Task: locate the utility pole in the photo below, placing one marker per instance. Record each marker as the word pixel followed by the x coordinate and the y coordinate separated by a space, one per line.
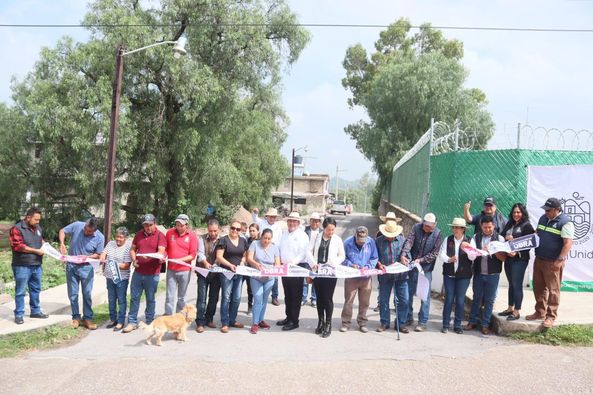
pixel 338 170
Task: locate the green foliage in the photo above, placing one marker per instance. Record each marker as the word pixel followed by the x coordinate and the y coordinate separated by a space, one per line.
pixel 206 128
pixel 16 343
pixel 563 335
pixel 406 82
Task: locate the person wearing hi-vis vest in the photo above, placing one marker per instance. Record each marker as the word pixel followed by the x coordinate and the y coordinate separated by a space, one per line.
pixel 555 231
pixel 487 271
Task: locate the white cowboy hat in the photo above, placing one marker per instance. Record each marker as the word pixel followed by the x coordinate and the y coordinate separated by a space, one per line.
pixel 390 229
pixel 272 212
pixel 390 216
pixel 295 216
pixel 315 215
pixel 459 222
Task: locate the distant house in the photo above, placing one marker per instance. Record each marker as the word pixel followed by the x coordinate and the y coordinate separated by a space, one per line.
pixel 310 193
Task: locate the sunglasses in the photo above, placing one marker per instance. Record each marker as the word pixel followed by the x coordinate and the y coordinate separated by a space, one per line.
pixel 236 229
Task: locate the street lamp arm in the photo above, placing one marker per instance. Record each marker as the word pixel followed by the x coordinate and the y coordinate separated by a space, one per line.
pixel 149 46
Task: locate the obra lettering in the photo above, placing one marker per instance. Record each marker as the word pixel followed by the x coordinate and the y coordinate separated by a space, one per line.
pixel 524 244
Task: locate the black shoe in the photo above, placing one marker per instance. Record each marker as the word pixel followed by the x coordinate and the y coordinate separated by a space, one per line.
pixel 290 326
pixel 505 313
pixel 111 324
pixel 282 322
pixel 459 331
pixel 320 327
pixel 39 315
pixel 513 317
pixel 327 329
pixel 19 320
pixel 444 330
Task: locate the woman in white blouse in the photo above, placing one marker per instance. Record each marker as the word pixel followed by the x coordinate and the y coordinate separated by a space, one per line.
pixel 457 274
pixel 327 254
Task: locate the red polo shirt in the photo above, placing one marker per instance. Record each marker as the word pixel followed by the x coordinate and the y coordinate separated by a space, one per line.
pixel 179 247
pixel 146 244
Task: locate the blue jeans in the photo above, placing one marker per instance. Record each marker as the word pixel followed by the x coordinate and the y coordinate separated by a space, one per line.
pixel 484 287
pixel 424 306
pixel 147 283
pixel 85 275
pixel 261 292
pixel 275 288
pixel 387 282
pixel 455 289
pixel 27 276
pixel 306 291
pixel 231 298
pixel 515 272
pixel 116 295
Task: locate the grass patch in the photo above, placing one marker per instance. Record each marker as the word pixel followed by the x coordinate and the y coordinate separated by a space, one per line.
pixel 563 335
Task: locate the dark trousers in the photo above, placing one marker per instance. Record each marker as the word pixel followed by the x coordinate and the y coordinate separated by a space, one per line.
pixel 515 271
pixel 293 292
pixel 324 289
pixel 208 288
pixel 249 292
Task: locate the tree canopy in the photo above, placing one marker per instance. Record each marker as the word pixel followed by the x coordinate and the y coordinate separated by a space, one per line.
pixel 409 79
pixel 206 128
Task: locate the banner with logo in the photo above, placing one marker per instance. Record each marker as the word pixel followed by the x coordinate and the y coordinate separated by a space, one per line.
pixel 573 186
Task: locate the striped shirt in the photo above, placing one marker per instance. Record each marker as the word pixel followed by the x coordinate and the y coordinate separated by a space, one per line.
pixel 119 255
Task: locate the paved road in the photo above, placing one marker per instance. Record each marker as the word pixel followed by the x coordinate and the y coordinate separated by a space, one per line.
pixel 301 362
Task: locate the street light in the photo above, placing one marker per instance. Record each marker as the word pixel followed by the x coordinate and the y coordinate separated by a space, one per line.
pixel 292 175
pixel 178 51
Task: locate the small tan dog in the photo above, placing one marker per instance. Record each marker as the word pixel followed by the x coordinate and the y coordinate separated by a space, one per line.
pixel 176 323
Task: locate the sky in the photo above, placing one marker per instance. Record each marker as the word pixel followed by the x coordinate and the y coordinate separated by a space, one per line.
pixel 541 78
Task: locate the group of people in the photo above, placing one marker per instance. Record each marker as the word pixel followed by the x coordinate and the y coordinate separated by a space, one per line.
pixel 315 247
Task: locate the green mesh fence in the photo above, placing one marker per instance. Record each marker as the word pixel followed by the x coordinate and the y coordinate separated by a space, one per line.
pixel 456 177
pixel 410 182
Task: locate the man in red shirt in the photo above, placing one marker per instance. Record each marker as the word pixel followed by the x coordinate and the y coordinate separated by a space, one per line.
pixel 182 245
pixel 146 270
pixel 26 241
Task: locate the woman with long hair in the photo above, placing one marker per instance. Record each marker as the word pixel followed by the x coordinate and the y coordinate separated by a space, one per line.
pixel 516 262
pixel 328 253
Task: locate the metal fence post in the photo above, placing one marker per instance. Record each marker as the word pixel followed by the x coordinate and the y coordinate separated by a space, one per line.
pixel 519 135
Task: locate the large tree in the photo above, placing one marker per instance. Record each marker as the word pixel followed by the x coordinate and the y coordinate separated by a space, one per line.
pixel 409 79
pixel 206 128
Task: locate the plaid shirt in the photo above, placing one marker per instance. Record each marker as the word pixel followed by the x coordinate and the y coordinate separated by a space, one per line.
pixel 17 243
pixel 391 252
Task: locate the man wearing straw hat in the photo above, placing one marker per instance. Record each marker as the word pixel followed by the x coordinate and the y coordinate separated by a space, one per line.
pixel 294 250
pixel 270 223
pixel 390 216
pixel 390 249
pixel 423 244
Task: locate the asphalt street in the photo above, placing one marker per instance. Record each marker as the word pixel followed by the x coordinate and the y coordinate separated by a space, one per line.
pixel 300 361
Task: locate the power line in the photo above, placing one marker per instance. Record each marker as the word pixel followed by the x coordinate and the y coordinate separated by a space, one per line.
pixel 311 25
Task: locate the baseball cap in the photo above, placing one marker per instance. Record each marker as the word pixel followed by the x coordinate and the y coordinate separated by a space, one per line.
pixel 361 234
pixel 489 200
pixel 148 219
pixel 429 219
pixel 183 219
pixel 551 203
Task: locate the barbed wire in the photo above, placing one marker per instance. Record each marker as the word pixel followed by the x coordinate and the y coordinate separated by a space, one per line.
pixel 451 137
pixel 541 138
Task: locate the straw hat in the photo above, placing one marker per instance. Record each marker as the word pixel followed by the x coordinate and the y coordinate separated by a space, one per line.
pixel 272 212
pixel 459 222
pixel 390 229
pixel 390 217
pixel 315 215
pixel 294 216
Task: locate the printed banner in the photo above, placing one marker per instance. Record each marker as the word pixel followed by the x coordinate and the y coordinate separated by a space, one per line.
pixel 573 186
pixel 522 243
pixel 114 269
pixel 76 259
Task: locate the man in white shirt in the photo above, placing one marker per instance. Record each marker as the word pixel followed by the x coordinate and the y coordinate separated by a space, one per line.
pixel 312 231
pixel 294 247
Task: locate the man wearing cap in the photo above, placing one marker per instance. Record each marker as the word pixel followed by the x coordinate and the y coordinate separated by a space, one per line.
pixel 423 244
pixel 487 271
pixel 270 223
pixel 312 231
pixel 555 231
pixel 27 256
pixel 390 250
pixel 87 240
pixel 489 210
pixel 208 286
pixel 147 270
pixel 182 245
pixel 294 250
pixel 361 252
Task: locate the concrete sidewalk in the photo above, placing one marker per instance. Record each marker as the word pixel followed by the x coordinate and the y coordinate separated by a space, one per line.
pixel 54 301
